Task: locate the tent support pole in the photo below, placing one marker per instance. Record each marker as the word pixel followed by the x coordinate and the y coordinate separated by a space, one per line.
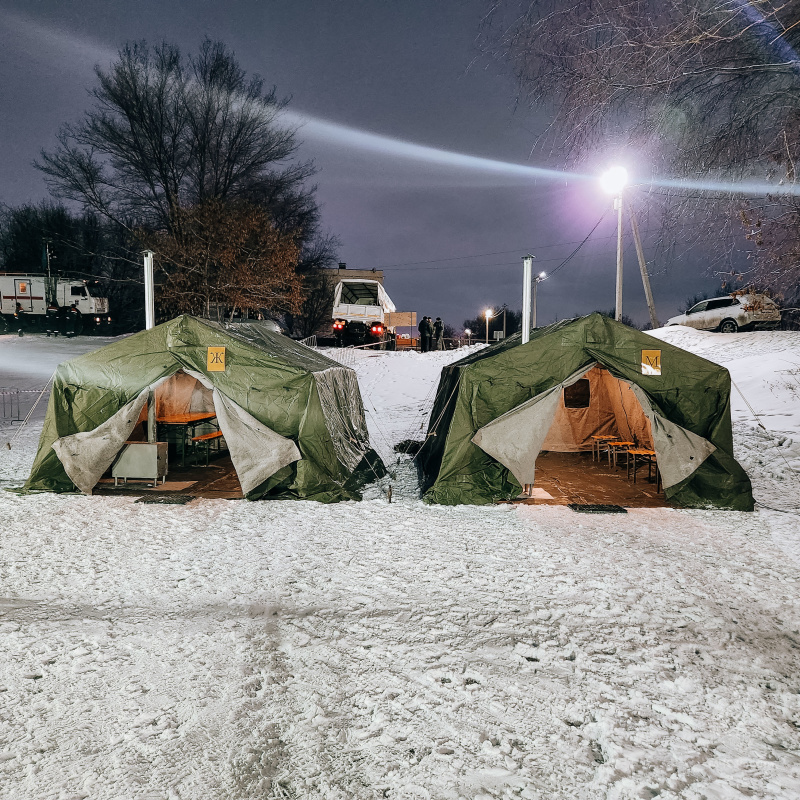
pixel 151 416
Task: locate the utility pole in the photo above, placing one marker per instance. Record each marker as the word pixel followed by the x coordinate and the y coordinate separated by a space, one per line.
pixel 49 284
pixel 643 269
pixel 536 281
pixel 613 182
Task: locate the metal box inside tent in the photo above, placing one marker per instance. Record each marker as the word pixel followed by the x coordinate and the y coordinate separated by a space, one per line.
pixel 143 460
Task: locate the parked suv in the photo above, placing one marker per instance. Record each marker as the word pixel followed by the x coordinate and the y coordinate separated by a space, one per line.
pixel 732 313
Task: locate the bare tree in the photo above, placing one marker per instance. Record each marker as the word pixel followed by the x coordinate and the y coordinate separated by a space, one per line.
pixel 705 90
pixel 706 86
pixel 169 132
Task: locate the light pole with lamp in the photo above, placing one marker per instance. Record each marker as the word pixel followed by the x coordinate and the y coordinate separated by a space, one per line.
pixel 613 181
pixel 536 281
pixel 467 333
pixel 488 313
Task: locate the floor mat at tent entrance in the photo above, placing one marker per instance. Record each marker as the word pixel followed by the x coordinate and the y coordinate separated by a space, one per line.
pixel 597 508
pixel 574 478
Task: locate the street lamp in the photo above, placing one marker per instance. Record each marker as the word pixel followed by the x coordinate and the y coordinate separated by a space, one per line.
pixel 467 333
pixel 613 181
pixel 536 281
pixel 488 313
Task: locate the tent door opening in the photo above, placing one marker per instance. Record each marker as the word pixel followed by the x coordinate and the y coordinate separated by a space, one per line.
pixel 570 444
pixel 597 417
pixel 186 438
pixel 195 418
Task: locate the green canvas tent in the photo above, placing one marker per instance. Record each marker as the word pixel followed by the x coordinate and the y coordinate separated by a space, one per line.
pixel 497 409
pixel 292 419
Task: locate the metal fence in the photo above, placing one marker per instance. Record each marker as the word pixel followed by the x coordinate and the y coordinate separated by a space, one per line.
pixel 16 403
pixel 344 355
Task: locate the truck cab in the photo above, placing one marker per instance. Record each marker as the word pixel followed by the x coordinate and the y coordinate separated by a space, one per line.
pixel 32 293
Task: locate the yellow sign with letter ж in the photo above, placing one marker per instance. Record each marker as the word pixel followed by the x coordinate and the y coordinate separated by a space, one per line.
pixel 216 359
pixel 651 362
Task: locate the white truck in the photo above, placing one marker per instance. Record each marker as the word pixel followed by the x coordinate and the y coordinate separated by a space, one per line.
pixel 360 308
pixel 34 293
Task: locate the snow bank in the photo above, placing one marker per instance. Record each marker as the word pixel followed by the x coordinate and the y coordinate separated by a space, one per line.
pixel 237 650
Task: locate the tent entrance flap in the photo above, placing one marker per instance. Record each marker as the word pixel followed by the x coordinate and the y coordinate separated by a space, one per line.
pixel 516 437
pixel 564 421
pixel 85 456
pixel 257 452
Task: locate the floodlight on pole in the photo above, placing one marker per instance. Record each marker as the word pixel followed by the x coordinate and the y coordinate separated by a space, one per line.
pixel 467 333
pixel 488 313
pixel 613 182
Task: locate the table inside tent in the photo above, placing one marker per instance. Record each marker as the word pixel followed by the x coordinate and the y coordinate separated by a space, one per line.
pixel 180 428
pixel 183 406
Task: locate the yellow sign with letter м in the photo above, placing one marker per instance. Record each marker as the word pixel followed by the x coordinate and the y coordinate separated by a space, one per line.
pixel 215 360
pixel 651 362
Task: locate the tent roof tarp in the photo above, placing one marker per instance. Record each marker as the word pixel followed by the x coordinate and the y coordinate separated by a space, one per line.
pixel 294 391
pixel 690 392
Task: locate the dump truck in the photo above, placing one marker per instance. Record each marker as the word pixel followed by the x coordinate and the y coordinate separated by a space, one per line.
pixel 360 309
pixel 35 292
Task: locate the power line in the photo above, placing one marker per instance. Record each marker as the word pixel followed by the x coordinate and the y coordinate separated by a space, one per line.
pixel 575 251
pixel 498 253
pixel 539 261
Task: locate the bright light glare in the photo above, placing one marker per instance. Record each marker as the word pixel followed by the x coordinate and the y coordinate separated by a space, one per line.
pixel 467 332
pixel 614 180
pixel 542 275
pixel 488 313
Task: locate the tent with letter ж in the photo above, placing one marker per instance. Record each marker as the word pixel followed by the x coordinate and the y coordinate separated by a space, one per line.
pixel 292 419
pixel 497 409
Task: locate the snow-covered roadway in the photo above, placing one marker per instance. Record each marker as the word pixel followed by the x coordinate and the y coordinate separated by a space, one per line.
pixel 367 650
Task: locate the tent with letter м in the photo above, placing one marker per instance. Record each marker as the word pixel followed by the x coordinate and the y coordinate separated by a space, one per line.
pixel 292 419
pixel 496 410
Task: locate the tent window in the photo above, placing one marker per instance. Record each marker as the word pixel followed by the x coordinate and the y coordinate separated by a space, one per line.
pixel 577 395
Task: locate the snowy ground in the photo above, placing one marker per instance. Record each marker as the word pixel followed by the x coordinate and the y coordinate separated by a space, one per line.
pixel 368 650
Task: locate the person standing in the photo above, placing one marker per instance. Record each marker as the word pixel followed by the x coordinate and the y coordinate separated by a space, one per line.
pixel 52 318
pixel 424 328
pixel 438 334
pixel 19 316
pixel 75 320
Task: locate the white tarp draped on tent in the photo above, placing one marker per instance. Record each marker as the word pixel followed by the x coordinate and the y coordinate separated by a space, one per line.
pixel 257 452
pixel 87 455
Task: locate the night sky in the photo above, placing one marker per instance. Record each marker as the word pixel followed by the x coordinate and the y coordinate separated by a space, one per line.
pixel 450 237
